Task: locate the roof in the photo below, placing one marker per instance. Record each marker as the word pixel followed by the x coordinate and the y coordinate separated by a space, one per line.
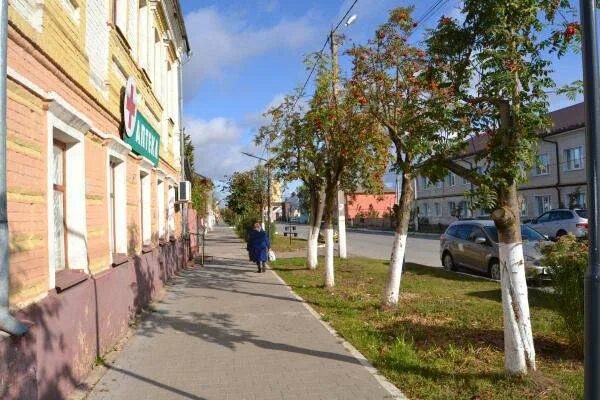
pixel 361 191
pixel 562 120
pixel 567 119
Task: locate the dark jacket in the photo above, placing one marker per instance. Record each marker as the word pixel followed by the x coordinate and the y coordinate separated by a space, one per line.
pixel 258 246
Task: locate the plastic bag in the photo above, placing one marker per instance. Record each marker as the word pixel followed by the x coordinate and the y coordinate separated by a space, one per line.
pixel 272 256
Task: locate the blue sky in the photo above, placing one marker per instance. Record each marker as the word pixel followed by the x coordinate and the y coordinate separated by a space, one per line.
pixel 247 54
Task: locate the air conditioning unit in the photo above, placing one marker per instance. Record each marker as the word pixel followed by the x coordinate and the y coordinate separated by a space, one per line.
pixel 185 191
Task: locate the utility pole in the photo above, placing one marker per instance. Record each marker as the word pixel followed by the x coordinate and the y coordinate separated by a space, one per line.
pixel 341 197
pixel 591 79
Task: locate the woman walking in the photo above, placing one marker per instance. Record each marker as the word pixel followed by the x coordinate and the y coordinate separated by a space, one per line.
pixel 258 247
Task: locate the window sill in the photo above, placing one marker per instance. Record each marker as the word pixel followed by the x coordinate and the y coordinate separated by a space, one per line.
pixel 68 278
pixel 119 259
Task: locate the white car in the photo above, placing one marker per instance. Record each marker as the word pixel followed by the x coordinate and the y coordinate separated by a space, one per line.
pixel 556 223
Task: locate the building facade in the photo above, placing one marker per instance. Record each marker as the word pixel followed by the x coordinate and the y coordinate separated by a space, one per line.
pixel 558 180
pixel 93 165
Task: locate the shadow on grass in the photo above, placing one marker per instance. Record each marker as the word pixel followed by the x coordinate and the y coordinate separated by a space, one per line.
pixel 537 298
pixel 428 336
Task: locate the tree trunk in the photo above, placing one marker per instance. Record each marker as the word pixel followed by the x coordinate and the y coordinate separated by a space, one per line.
pixel 342 248
pixel 519 351
pixel 317 204
pixel 330 199
pixel 392 290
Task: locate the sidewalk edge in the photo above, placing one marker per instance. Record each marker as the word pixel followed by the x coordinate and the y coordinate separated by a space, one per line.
pixel 382 380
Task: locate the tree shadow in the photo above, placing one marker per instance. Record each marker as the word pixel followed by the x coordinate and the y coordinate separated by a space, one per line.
pixel 220 329
pixel 537 298
pixel 438 335
pixel 171 389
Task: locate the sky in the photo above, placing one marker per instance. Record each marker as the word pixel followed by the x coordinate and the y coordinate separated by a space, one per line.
pixel 248 54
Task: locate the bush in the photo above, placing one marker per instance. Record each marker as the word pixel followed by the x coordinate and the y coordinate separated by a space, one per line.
pixel 244 224
pixel 567 262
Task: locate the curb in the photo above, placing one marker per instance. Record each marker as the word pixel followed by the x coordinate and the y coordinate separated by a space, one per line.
pixel 383 381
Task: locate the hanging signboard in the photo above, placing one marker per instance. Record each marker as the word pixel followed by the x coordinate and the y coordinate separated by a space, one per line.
pixel 139 133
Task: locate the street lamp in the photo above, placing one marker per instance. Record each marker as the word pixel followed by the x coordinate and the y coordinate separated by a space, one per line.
pixel 268 190
pixel 591 79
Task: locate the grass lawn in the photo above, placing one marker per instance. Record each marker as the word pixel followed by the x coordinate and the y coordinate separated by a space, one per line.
pixel 445 339
pixel 281 244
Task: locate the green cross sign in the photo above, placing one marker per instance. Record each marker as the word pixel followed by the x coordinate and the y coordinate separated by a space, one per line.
pixel 144 141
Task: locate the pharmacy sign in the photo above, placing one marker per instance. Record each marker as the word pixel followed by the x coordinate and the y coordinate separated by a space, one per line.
pixel 139 133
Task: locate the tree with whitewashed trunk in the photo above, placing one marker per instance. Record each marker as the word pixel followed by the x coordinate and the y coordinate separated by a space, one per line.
pixel 496 62
pixel 392 83
pixel 296 154
pixel 355 150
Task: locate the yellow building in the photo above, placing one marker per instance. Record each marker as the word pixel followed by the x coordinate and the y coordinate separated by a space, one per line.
pixel 94 225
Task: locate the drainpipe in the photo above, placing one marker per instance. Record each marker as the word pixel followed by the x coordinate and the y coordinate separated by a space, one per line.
pixel 7 322
pixel 557 186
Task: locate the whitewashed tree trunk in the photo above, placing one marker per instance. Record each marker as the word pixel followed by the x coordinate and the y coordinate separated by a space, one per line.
pixel 391 294
pixel 317 205
pixel 392 289
pixel 342 248
pixel 329 271
pixel 519 350
pixel 518 337
pixel 312 247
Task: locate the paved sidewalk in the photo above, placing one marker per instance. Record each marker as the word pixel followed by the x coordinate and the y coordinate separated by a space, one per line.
pixel 227 332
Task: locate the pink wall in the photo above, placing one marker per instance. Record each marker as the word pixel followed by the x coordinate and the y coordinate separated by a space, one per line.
pixel 360 202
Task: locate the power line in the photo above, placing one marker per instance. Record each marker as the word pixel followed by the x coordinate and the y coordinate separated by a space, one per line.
pixel 320 54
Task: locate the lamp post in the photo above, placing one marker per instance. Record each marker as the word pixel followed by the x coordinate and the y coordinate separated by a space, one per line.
pixel 341 197
pixel 268 189
pixel 591 79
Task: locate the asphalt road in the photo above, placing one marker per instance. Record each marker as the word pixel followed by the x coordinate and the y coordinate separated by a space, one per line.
pixel 378 245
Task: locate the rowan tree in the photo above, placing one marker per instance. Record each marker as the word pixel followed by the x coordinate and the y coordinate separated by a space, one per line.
pixel 496 63
pixel 355 150
pixel 296 154
pixel 392 84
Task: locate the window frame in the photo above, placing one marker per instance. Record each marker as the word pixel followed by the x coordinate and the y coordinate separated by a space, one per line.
pixel 63 189
pixel 569 163
pixel 546 166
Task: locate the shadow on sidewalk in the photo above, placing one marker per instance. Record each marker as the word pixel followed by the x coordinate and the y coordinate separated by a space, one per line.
pixel 219 329
pixel 155 383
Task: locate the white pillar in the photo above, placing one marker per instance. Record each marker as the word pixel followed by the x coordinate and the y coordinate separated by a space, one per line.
pixel 342 225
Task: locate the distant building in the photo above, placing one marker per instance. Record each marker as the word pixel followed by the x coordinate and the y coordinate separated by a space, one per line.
pixel 559 180
pixel 371 210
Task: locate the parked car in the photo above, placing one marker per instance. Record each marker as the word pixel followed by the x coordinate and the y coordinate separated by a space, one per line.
pixel 474 244
pixel 322 233
pixel 556 223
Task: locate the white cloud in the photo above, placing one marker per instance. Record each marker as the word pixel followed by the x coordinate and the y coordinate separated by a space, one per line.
pixel 221 42
pixel 218 145
pixel 255 120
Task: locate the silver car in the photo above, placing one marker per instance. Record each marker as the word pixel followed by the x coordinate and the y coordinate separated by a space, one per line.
pixel 556 223
pixel 474 244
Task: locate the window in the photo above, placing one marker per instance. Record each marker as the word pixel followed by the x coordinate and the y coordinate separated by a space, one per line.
pixel 439 184
pixel 451 208
pixel 171 211
pixel 465 211
pixel 542 166
pixel 143 41
pixel 58 205
pixel 72 9
pixel 161 208
pixel 523 207
pixel 157 68
pixel 120 15
pixel 117 203
pixel 145 212
pixel 437 209
pixel 31 10
pixel 425 209
pixel 425 182
pixel 451 179
pixel 463 231
pixel 573 158
pixel 465 181
pixel 543 203
pixel 476 232
pixel 544 218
